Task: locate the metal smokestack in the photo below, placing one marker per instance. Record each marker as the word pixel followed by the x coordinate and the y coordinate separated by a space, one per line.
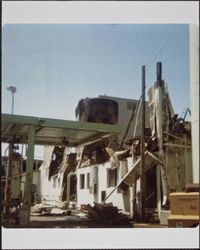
pixel 159 71
pixel 159 81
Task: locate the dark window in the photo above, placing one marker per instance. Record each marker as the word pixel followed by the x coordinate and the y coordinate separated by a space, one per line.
pixel 73 187
pixel 112 177
pixel 88 180
pixel 103 195
pixel 102 111
pixel 82 181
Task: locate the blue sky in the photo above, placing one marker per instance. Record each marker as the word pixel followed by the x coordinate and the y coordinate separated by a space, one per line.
pixel 54 66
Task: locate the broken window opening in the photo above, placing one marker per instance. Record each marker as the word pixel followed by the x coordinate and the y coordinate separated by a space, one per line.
pixel 71 167
pixel 57 158
pixel 103 195
pixel 97 110
pixel 112 177
pixel 95 154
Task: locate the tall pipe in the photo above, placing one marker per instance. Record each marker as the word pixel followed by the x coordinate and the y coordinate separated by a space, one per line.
pixel 159 81
pixel 159 71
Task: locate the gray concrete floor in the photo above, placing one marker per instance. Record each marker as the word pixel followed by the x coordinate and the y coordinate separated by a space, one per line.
pixel 62 221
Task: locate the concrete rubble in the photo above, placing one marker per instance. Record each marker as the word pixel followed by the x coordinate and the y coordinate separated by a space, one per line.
pixel 100 215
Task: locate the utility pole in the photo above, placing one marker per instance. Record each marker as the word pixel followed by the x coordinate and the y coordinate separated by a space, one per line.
pixel 142 151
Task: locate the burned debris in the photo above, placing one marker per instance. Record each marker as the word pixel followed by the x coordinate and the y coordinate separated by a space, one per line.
pixel 107 214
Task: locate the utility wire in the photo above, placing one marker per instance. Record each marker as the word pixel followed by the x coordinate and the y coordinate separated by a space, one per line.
pixel 162 38
pixel 159 50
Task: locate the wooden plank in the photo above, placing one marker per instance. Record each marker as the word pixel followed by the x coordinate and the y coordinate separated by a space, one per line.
pixel 183 220
pixel 148 225
pixel 184 203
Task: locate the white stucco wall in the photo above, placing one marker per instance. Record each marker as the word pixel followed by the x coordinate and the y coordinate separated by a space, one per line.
pixel 52 189
pixel 84 197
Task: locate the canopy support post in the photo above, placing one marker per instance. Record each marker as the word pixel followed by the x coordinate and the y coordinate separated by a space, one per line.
pixel 24 212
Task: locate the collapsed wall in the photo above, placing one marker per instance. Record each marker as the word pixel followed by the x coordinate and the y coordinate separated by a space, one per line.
pixel 58 163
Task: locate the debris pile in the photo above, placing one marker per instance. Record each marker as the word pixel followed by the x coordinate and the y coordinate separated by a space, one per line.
pixel 106 214
pixel 41 209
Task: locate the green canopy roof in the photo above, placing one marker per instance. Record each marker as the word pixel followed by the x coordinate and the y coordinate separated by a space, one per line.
pixel 14 129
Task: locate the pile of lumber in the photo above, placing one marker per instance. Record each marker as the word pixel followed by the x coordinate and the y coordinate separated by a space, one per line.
pixel 106 214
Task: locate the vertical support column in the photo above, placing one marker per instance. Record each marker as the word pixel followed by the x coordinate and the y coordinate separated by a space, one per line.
pixel 25 210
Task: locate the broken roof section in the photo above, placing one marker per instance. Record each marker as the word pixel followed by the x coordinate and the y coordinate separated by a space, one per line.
pixel 14 129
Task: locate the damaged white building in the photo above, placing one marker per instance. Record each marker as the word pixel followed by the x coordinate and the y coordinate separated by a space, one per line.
pixel 109 170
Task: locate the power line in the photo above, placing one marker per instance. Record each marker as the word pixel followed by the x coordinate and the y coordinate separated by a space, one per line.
pixel 159 50
pixel 157 45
